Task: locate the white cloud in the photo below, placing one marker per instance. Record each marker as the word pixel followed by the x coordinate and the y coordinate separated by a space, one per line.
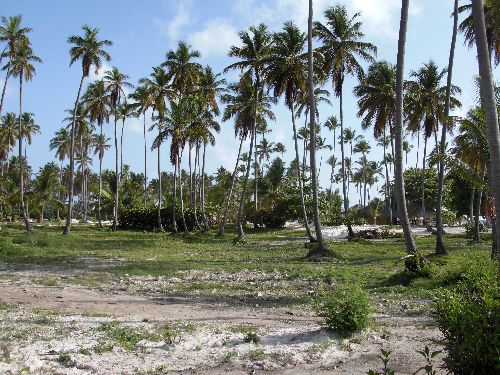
pixel 134 125
pixel 172 28
pixel 215 38
pixel 100 74
pixel 380 17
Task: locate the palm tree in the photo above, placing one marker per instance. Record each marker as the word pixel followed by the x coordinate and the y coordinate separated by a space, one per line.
pixel 158 89
pixel 124 112
pixel 321 249
pixel 350 137
pixel 489 102
pixel 425 107
pixel 240 105
pixel 341 48
pixel 440 247
pixel 90 51
pixel 116 82
pixel 406 148
pixel 143 100
pixel 286 73
pixel 332 125
pixel 363 148
pixel 377 104
pixel 98 105
pixel 12 33
pixel 22 66
pixel 61 143
pixel 252 56
pixel 9 133
pixel 491 11
pixel 399 183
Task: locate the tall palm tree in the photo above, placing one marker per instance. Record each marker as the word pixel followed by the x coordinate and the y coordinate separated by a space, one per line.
pixel 425 107
pixel 489 102
pixel 29 128
pixel 342 47
pixel 399 183
pixel 116 82
pixel 9 133
pixel 12 33
pixel 100 144
pixel 491 11
pixel 406 148
pixel 252 56
pixel 240 105
pixel 332 124
pixel 440 246
pixel 321 249
pixel 286 74
pixel 377 104
pixel 98 104
pixel 143 100
pixel 22 66
pixel 363 148
pixel 61 143
pixel 90 51
pixel 158 89
pixel 125 111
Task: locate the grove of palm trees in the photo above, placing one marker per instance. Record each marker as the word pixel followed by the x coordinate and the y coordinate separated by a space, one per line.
pixel 311 192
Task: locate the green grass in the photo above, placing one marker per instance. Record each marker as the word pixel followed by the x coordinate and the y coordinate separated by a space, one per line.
pixel 376 265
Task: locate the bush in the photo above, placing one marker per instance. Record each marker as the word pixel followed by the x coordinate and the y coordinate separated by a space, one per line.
pixel 470 229
pixel 469 318
pixel 146 219
pixel 376 234
pixel 346 309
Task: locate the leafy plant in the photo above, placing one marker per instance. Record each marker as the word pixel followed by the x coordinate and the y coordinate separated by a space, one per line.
pixel 346 309
pixel 384 356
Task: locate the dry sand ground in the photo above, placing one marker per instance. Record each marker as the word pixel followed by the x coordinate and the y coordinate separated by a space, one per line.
pixel 65 318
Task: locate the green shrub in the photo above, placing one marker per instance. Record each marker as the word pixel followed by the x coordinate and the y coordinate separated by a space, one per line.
pixel 346 309
pixel 147 219
pixel 470 229
pixel 469 318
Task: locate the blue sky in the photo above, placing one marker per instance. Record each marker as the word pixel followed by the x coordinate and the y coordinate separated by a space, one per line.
pixel 143 32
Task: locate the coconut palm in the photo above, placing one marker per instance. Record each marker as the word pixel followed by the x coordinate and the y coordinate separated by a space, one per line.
pixel 61 143
pixel 342 48
pixel 350 138
pixel 286 74
pixel 332 124
pixel 29 128
pixel 88 49
pixel 240 105
pixel 143 100
pixel 440 247
pixel 411 247
pixel 97 102
pixel 22 66
pixel 125 111
pixel 407 148
pixel 183 71
pixel 377 104
pixel 252 56
pixel 425 107
pixel 321 249
pixel 363 148
pixel 12 33
pixel 491 11
pixel 116 83
pixel 100 144
pixel 9 133
pixel 489 102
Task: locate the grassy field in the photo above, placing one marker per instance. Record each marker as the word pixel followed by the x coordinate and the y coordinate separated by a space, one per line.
pixel 376 265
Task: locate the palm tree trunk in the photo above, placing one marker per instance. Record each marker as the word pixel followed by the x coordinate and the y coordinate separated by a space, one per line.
pixel 440 247
pixel 222 226
pixel 239 217
pixel 82 182
pixel 418 147
pixel 398 161
pixel 300 180
pixel 67 228
pixel 121 148
pixel 489 103
pixel 158 210
pixel 145 162
pixel 321 249
pixel 174 221
pixel 256 183
pixel 27 223
pixel 203 215
pixel 99 199
pixel 424 221
pixel 117 179
pixel 387 183
pixel 344 174
pixel 180 196
pixel 194 182
pixel 4 90
pixel 191 197
pixel 477 214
